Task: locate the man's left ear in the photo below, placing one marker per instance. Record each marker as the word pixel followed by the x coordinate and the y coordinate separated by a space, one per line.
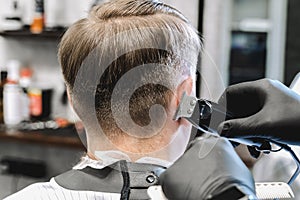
pixel 187 86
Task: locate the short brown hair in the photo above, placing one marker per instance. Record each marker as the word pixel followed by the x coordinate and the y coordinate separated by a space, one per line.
pixel 166 38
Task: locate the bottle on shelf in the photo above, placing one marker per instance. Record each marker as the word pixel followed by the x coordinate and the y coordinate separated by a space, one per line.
pixel 13 71
pixel 13 104
pixel 40 98
pixel 25 77
pixel 15 98
pixel 38 22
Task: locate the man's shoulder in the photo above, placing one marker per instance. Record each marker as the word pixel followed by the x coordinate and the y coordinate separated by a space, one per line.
pixel 34 191
pixel 52 190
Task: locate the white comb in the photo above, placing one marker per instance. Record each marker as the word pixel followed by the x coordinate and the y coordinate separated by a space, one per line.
pixel 273 190
pixel 264 191
pixel 155 192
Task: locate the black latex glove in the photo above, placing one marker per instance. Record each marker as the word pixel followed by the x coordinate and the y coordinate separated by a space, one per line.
pixel 264 108
pixel 209 167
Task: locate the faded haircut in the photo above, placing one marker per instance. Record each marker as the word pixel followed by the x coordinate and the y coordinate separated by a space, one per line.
pixel 115 29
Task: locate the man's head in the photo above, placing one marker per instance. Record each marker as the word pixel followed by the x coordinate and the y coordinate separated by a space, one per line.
pixel 128 56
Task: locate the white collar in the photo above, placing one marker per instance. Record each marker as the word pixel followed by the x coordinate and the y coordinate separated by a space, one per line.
pixel 109 157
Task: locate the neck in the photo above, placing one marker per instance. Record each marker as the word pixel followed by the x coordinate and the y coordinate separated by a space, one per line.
pixel 168 145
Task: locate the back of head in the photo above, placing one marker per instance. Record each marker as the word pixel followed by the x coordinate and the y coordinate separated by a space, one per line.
pixel 123 59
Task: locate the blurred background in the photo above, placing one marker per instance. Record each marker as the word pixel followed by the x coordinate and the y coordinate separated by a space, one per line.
pixel 247 40
pixel 243 40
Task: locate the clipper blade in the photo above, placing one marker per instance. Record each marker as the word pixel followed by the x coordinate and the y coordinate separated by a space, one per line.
pixel 186 107
pixel 273 190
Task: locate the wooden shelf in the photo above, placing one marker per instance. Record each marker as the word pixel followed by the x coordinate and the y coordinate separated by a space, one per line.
pixel 25 33
pixel 52 138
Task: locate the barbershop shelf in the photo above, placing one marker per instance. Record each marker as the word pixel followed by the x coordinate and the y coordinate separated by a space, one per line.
pixel 25 33
pixel 63 138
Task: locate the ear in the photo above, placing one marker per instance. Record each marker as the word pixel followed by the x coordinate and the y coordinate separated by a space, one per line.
pixel 186 86
pixel 69 96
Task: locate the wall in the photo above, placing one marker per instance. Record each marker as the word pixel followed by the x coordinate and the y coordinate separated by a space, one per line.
pixel 214 62
pixel 188 7
pixel 250 9
pixel 219 18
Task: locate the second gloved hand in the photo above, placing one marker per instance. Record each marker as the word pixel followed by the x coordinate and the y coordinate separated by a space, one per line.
pixel 264 108
pixel 208 169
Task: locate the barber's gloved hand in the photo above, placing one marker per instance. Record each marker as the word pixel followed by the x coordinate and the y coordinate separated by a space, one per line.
pixel 264 108
pixel 207 169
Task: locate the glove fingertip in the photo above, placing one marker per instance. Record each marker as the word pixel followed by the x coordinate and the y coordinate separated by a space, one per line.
pixel 235 127
pixel 224 129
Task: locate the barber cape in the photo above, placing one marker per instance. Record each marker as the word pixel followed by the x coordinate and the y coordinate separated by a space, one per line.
pixel 110 178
